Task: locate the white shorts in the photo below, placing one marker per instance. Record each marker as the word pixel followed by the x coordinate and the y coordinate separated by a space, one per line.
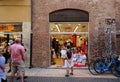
pixel 69 63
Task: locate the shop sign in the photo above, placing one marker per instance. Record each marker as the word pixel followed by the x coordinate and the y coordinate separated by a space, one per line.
pixel 6 27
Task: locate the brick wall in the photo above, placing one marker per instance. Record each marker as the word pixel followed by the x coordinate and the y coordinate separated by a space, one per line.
pixel 98 10
pixel 118 24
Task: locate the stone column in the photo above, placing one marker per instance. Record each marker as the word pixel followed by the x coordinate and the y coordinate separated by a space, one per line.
pixel 26 40
pixel 40 27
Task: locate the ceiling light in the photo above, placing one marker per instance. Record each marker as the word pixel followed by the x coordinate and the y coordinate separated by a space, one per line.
pixel 69 24
pixel 57 28
pixel 75 28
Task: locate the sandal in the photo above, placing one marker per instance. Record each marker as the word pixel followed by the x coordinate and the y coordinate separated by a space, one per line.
pixel 66 75
pixel 71 73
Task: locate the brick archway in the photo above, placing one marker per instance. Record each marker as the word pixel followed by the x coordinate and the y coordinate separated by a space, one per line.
pixel 69 15
pixel 68 4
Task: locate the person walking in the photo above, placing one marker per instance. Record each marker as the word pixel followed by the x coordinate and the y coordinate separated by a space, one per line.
pixel 18 59
pixel 9 59
pixel 63 52
pixel 69 62
pixel 2 67
pixel 67 55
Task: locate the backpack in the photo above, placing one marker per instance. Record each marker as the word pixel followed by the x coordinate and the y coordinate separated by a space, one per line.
pixel 69 54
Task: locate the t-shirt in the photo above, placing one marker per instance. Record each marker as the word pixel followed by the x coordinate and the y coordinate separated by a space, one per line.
pixel 2 63
pixel 69 53
pixel 17 52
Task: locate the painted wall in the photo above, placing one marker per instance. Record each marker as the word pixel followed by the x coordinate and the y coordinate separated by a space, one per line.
pixel 18 11
pixel 15 10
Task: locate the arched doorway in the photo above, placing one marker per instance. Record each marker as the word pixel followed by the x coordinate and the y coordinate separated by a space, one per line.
pixel 68 25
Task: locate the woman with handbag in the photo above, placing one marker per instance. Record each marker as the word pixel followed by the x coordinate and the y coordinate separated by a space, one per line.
pixel 2 67
pixel 64 52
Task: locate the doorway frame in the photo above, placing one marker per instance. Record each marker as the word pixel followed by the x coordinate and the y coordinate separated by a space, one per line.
pixel 88 33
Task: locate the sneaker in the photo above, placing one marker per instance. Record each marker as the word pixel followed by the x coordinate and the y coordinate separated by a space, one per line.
pixel 66 75
pixel 71 73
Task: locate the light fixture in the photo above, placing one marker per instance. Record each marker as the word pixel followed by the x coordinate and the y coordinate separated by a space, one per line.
pixel 57 28
pixel 75 28
pixel 79 24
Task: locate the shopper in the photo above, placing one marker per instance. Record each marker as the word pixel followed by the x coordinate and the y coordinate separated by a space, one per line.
pixel 9 59
pixel 18 59
pixel 2 67
pixel 63 52
pixel 55 46
pixel 69 63
pixel 5 53
pixel 67 56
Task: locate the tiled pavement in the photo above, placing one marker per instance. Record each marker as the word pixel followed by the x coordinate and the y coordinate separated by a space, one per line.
pixel 58 75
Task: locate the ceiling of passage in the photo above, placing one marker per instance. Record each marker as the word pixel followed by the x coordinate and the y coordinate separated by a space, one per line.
pixel 69 27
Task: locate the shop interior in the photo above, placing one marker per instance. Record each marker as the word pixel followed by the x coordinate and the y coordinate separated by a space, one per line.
pixel 9 31
pixel 75 33
pixel 5 38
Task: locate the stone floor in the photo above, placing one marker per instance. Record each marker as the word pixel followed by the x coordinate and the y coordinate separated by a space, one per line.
pixel 60 72
pixel 58 75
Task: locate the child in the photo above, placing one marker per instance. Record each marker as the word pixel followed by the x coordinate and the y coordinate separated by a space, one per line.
pixel 69 62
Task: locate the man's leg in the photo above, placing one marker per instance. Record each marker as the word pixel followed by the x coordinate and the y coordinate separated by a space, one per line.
pixel 14 70
pixel 71 71
pixel 21 70
pixel 67 72
pixel 22 78
pixel 12 77
pixel 9 67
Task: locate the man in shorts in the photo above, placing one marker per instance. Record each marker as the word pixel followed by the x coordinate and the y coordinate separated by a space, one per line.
pixel 18 59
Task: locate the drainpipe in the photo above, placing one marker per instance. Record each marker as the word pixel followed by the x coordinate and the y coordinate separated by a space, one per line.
pixel 31 35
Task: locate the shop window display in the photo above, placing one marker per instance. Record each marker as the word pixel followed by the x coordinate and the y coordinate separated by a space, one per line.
pixel 75 33
pixel 76 41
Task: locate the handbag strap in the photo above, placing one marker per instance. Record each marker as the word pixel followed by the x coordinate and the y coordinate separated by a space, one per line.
pixel 2 68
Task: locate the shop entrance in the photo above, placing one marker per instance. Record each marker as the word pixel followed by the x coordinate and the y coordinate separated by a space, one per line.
pixel 70 26
pixel 9 31
pixel 70 32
